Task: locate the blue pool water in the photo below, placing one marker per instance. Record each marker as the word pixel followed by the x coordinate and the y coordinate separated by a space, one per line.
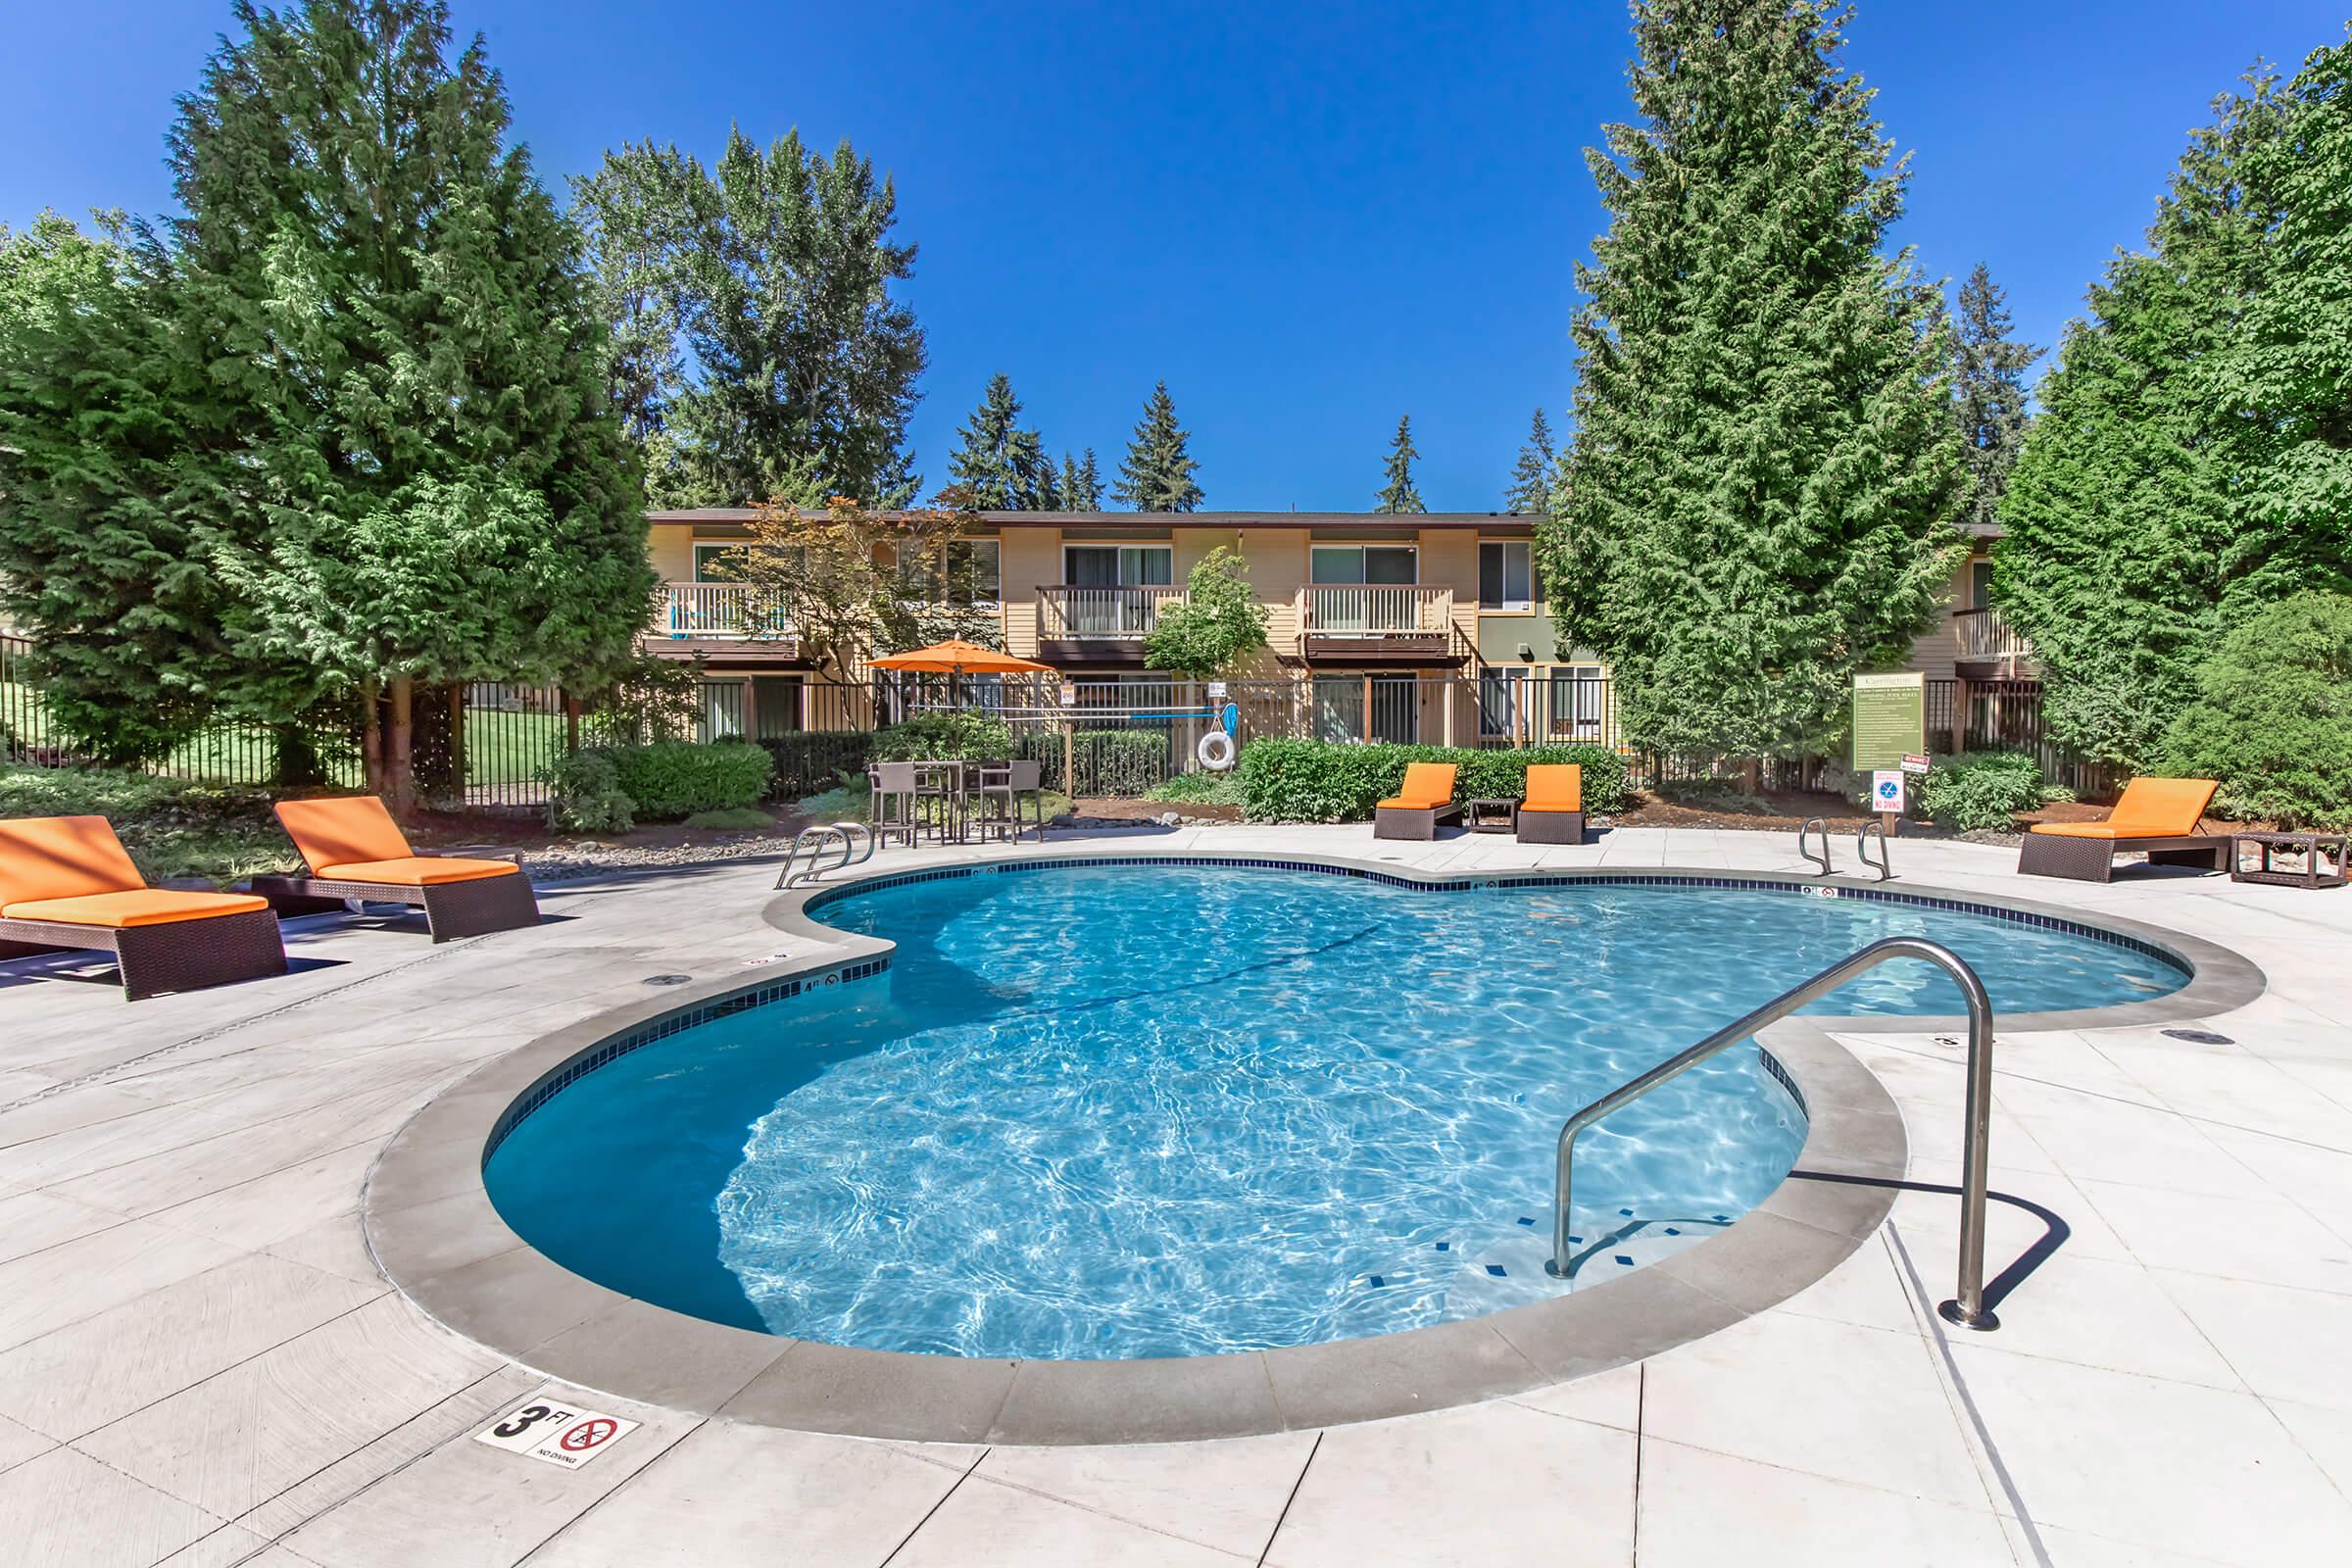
pixel 1149 1111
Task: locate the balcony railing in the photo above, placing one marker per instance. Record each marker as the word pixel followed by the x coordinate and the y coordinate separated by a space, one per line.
pixel 1376 610
pixel 1985 634
pixel 715 610
pixel 1125 614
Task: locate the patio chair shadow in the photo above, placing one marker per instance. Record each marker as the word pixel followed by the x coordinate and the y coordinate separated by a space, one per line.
pixel 2054 1235
pixel 98 969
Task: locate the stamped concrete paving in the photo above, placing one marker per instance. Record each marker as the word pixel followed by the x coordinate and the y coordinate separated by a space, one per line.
pixel 200 1364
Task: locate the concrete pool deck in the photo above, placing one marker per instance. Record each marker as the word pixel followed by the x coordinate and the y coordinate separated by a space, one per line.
pixel 200 1364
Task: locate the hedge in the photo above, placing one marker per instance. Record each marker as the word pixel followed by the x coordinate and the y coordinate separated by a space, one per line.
pixel 670 779
pixel 811 762
pixel 1324 781
pixel 1981 791
pixel 1124 762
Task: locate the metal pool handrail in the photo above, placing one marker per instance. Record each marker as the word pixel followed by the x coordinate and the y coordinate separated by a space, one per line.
pixel 816 841
pixel 1883 866
pixel 1806 827
pixel 1967 1308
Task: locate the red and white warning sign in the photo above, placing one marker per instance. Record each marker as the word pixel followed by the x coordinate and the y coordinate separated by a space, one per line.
pixel 554 1433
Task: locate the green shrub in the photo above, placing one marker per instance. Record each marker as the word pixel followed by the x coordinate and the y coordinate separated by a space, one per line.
pixel 1124 762
pixel 1325 781
pixel 1201 787
pixel 584 794
pixel 1981 791
pixel 815 759
pixel 2272 719
pixel 943 737
pixel 670 779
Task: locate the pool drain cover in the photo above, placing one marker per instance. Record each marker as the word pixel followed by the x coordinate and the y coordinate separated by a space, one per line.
pixel 667 979
pixel 2200 1037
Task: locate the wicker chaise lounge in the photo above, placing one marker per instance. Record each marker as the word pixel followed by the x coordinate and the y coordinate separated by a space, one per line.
pixel 352 849
pixel 65 884
pixel 2156 816
pixel 1423 800
pixel 1553 811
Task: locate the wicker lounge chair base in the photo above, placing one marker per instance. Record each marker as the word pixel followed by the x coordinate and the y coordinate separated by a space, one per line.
pixel 2088 859
pixel 174 955
pixel 1411 821
pixel 1550 827
pixel 473 908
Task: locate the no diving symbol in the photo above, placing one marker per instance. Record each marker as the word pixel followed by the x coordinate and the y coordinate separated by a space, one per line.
pixel 587 1435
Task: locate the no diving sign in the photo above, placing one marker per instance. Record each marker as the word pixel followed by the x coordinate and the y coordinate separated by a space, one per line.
pixel 554 1433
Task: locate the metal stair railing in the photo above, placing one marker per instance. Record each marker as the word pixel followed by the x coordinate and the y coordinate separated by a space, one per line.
pixel 1967 1308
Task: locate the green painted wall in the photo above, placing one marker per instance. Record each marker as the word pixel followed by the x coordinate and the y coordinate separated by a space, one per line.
pixel 1500 637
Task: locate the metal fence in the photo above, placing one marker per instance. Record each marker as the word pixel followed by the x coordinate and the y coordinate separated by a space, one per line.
pixel 1130 734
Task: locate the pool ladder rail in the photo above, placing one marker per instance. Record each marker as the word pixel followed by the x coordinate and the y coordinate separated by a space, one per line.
pixel 1883 864
pixel 816 842
pixel 1967 1308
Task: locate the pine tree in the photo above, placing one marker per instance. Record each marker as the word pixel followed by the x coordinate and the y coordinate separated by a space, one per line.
pixel 1988 383
pixel 1156 474
pixel 2167 489
pixel 397 322
pixel 1081 487
pixel 1399 494
pixel 800 366
pixel 110 481
pixel 1759 496
pixel 1529 490
pixel 1000 467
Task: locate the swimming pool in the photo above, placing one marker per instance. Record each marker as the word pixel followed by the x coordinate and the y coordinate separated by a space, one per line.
pixel 1097 1112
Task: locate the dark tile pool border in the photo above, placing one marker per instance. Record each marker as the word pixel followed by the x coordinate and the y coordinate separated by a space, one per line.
pixel 432 1228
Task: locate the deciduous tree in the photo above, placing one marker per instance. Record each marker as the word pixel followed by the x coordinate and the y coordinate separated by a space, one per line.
pixel 1759 501
pixel 1218 623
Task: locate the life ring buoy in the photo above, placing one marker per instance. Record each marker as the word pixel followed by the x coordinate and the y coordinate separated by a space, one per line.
pixel 1215 751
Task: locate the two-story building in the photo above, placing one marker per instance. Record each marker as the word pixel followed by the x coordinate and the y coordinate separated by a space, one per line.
pixel 1424 628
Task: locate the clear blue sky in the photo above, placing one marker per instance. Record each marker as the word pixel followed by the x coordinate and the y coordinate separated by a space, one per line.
pixel 1309 220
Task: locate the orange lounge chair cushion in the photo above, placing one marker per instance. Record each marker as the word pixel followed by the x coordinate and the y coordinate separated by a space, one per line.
pixel 418 870
pixel 136 906
pixel 343 831
pixel 62 858
pixel 1554 787
pixel 2149 808
pixel 1426 785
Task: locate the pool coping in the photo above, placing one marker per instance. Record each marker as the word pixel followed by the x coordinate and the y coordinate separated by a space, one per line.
pixel 432 1229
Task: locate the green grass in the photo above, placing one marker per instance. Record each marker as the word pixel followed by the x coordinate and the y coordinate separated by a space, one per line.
pixel 510 748
pixel 1201 787
pixel 170 829
pixel 735 820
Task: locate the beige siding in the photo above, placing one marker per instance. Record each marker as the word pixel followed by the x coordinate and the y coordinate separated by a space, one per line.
pixel 1277 558
pixel 671 546
pixel 1934 651
pixel 1030 559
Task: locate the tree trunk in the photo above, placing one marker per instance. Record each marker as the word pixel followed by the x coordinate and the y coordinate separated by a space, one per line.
pixel 372 738
pixel 400 772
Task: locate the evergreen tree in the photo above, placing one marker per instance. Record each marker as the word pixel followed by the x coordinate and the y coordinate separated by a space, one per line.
pixel 801 368
pixel 2190 462
pixel 1081 484
pixel 108 490
pixel 402 336
pixel 1759 496
pixel 1988 383
pixel 1000 467
pixel 1156 474
pixel 1529 490
pixel 1399 494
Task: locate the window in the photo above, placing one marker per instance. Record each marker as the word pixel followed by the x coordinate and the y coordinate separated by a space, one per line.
pixel 974 570
pixel 1119 565
pixel 1580 702
pixel 1980 584
pixel 1350 565
pixel 1506 579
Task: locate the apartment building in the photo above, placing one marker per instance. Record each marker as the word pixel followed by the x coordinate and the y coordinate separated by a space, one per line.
pixel 1429 627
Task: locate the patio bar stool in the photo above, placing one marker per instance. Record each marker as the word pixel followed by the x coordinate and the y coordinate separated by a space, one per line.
pixel 891 809
pixel 1001 790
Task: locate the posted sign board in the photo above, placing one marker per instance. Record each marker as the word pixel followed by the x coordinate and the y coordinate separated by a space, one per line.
pixel 1890 721
pixel 1887 791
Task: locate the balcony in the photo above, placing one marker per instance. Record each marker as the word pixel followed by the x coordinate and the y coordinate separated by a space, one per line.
pixel 702 618
pixel 1099 625
pixel 1985 637
pixel 1376 623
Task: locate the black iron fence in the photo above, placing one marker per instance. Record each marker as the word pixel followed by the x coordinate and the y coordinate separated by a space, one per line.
pixel 491 744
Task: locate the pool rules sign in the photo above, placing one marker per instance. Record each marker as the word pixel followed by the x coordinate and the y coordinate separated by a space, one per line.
pixel 555 1434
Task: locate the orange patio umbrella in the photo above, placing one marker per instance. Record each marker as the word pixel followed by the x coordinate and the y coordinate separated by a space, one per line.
pixel 956 657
